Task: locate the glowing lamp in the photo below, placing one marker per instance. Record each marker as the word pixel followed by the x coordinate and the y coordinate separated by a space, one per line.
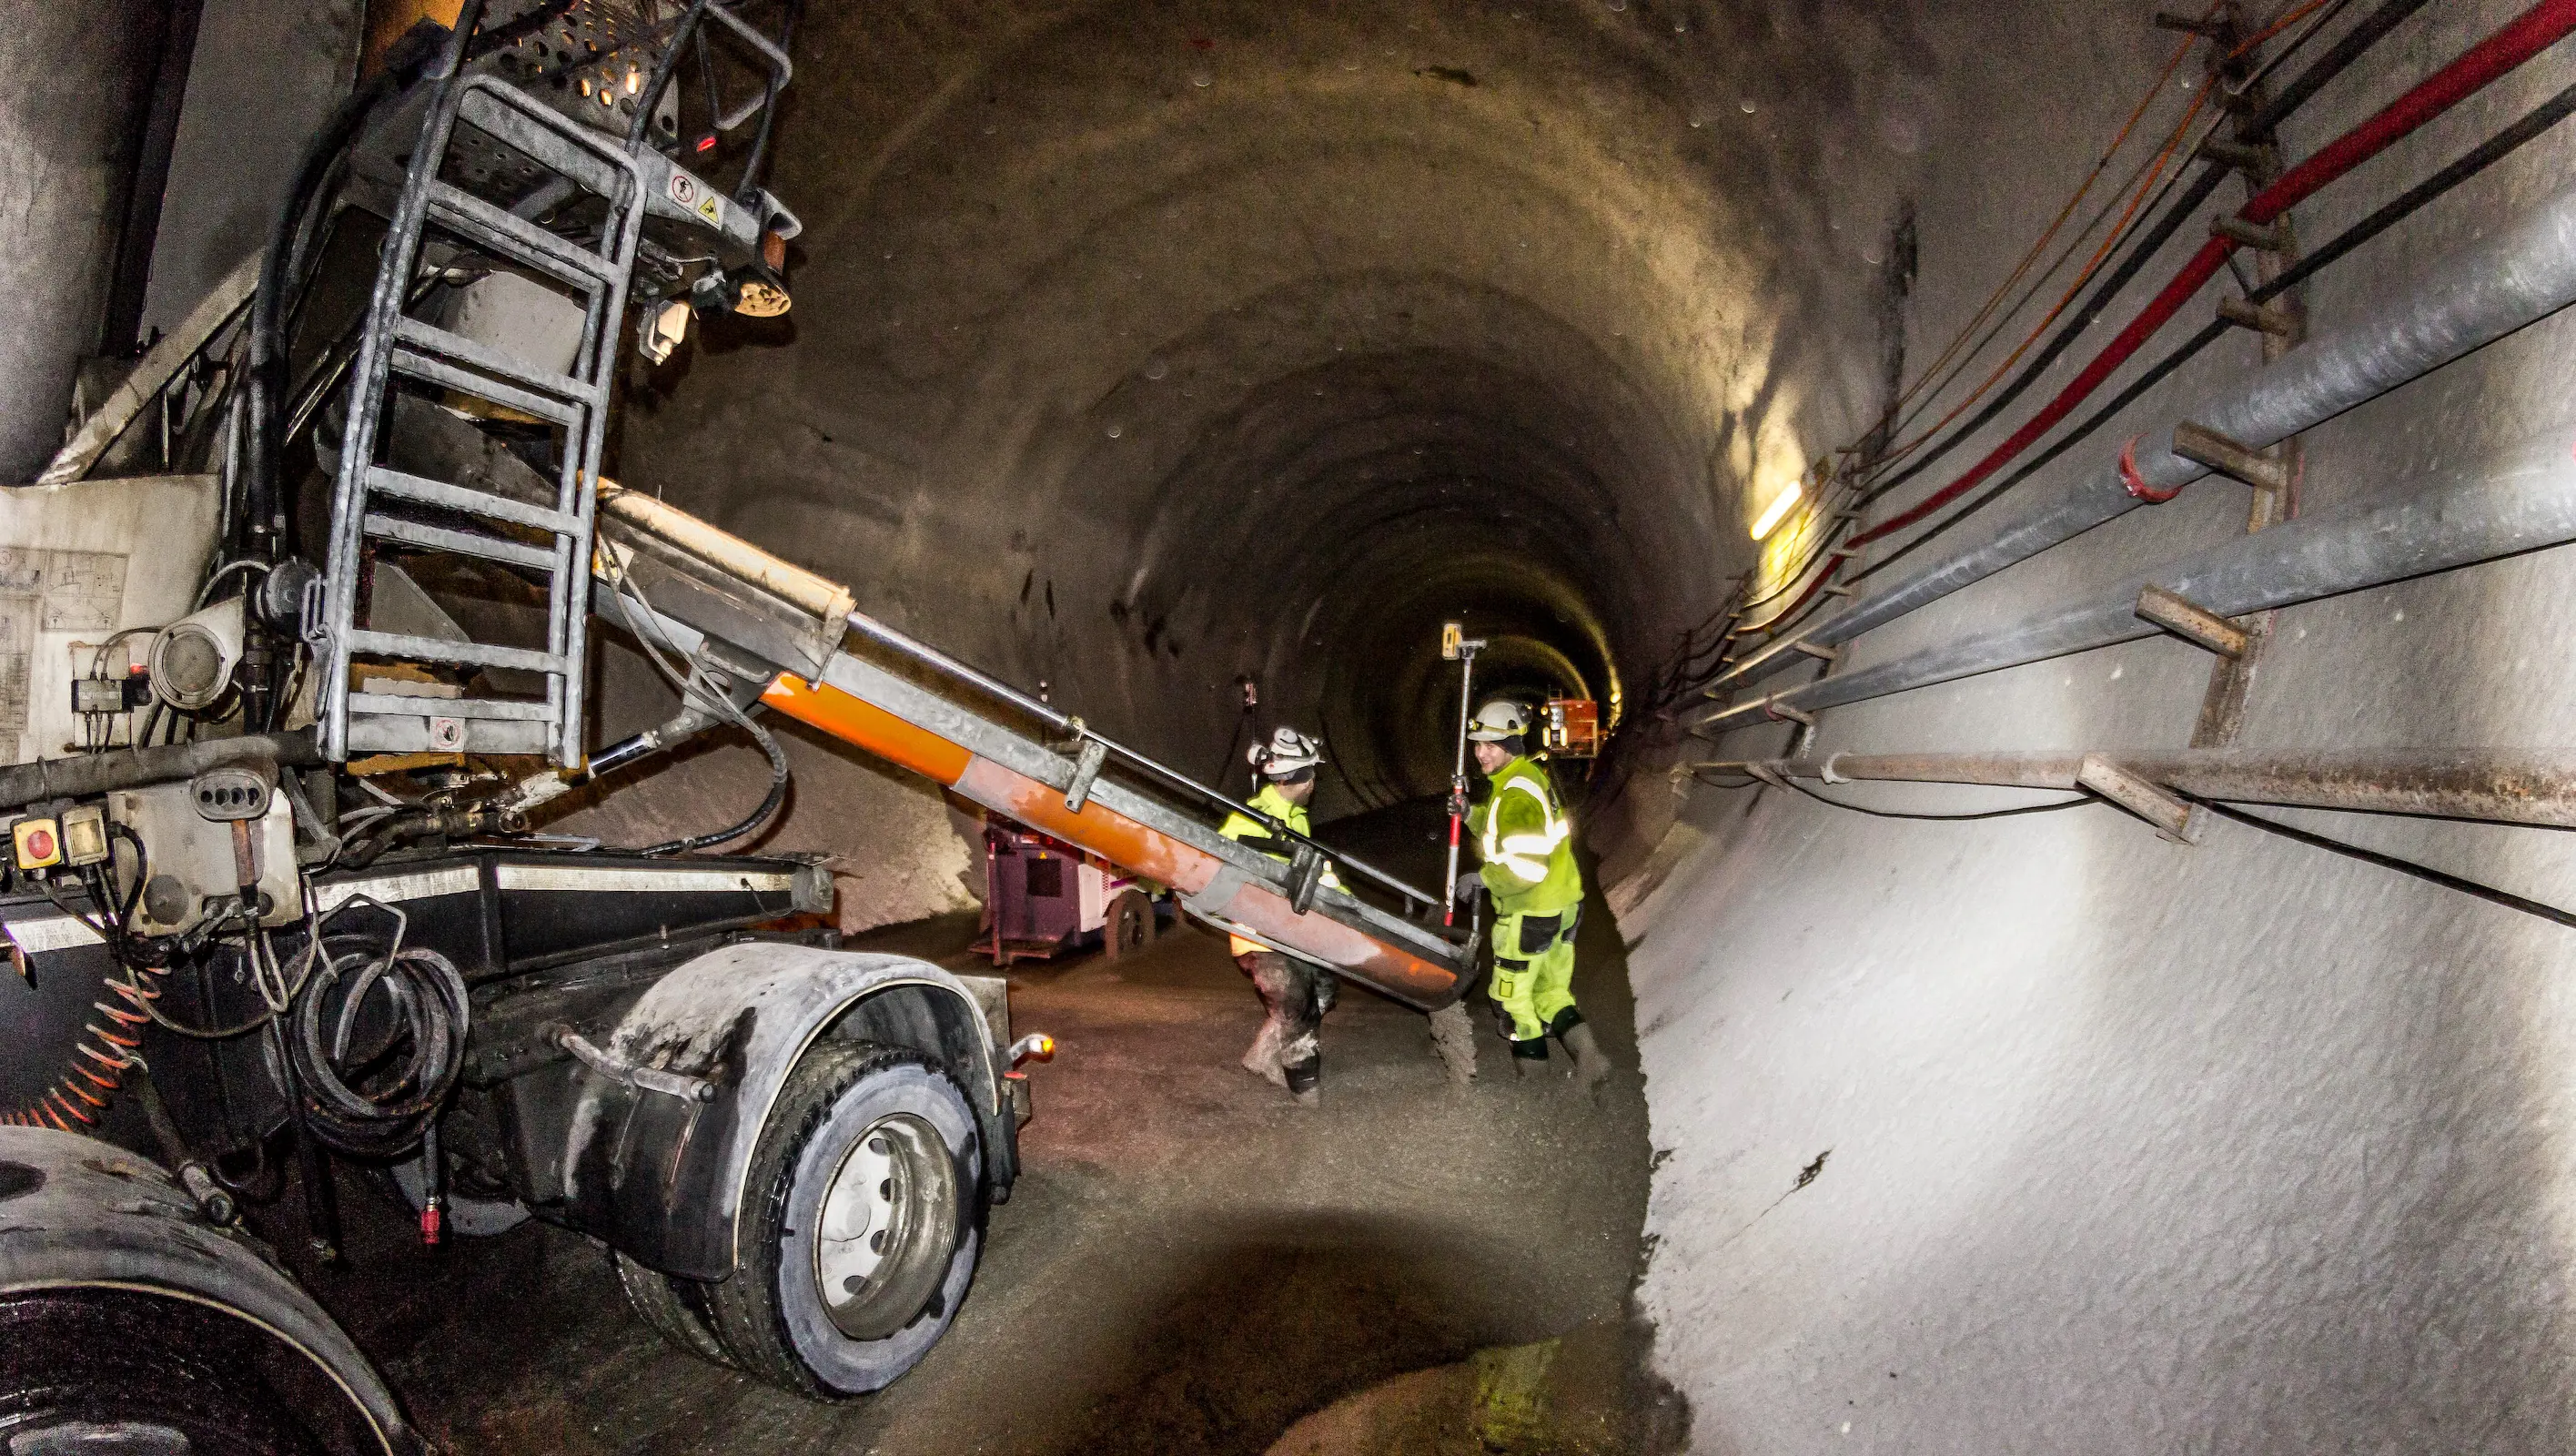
pixel 1775 512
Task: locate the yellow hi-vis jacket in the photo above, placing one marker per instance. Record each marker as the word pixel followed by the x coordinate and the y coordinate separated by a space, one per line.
pixel 1527 841
pixel 1254 834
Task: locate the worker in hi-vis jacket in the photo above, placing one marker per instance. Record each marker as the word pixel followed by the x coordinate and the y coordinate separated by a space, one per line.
pixel 1296 993
pixel 1527 842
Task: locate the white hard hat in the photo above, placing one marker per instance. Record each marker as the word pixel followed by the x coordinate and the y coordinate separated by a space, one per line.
pixel 1287 752
pixel 1499 719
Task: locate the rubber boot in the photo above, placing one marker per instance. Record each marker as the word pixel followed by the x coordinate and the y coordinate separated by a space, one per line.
pixel 1529 1058
pixel 1262 1060
pixel 1453 1038
pixel 1305 1080
pixel 1591 1067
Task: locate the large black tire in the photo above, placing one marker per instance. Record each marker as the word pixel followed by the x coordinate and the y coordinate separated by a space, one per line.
pixel 675 1308
pixel 120 1370
pixel 891 1138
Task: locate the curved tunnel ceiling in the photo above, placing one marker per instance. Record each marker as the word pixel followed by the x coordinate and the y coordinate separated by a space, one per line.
pixel 1138 352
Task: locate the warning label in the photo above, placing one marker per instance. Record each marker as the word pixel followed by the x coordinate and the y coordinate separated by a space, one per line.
pixel 698 197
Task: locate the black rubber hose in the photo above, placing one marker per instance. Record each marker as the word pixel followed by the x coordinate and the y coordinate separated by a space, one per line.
pixel 747 191
pixel 662 69
pixel 769 802
pixel 255 532
pixel 378 1112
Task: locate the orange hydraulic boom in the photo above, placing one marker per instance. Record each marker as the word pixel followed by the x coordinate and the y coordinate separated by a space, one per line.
pixel 683 581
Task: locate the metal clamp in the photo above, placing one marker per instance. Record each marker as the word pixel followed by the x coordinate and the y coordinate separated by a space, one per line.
pixel 1086 772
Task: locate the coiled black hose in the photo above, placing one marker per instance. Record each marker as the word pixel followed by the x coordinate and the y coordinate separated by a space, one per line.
pixel 380 1102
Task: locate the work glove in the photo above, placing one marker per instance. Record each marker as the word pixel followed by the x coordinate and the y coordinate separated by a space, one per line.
pixel 1469 882
pixel 1458 804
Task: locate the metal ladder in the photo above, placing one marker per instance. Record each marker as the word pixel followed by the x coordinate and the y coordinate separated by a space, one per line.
pixel 371 502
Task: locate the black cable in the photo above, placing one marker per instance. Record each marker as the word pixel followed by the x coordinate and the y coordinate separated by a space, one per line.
pixel 747 191
pixel 2469 164
pixel 370 1107
pixel 1784 779
pixel 2444 878
pixel 651 99
pixel 2360 38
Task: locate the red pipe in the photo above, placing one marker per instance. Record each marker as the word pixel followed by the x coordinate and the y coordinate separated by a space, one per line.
pixel 2537 29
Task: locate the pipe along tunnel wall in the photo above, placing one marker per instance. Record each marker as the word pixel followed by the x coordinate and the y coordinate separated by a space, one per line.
pixel 1139 351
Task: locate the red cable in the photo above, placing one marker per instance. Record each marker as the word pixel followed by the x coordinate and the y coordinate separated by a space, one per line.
pixel 2533 32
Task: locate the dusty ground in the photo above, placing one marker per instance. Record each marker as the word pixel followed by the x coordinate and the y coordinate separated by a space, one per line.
pixel 1190 1263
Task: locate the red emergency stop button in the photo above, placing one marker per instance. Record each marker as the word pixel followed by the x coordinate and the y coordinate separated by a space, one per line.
pixel 38 843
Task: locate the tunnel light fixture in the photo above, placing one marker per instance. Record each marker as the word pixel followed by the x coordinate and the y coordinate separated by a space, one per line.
pixel 1777 511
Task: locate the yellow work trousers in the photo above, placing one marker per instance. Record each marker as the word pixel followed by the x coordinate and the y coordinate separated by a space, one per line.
pixel 1534 973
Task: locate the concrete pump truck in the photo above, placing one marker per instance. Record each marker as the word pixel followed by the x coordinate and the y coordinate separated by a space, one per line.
pixel 276 902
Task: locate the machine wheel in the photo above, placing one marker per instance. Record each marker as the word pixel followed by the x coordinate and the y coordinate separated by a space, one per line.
pixel 863 1216
pixel 675 1308
pixel 1127 925
pixel 114 1370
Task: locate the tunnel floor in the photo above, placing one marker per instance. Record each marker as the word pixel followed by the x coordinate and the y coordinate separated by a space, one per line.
pixel 1190 1263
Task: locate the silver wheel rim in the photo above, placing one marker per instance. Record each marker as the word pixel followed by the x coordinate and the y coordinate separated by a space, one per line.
pixel 887 1228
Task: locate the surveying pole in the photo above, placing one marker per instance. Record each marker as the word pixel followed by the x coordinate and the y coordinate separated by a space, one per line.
pixel 1457 647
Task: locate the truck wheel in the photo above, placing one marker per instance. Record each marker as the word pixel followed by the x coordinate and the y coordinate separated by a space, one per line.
pixel 862 1219
pixel 674 1309
pixel 113 1370
pixel 1127 925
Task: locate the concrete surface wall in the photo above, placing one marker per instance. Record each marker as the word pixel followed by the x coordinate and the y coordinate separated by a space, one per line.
pixel 64 95
pixel 2043 1134
pixel 265 75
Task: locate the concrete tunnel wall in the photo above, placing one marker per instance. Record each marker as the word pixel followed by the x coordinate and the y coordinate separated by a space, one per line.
pixel 1133 352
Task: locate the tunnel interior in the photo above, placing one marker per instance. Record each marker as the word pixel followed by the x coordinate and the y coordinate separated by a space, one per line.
pixel 1189 367
pixel 1240 344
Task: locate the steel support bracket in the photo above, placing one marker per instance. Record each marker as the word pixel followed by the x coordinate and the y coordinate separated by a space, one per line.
pixel 2252 235
pixel 1816 650
pixel 2193 623
pixel 1778 711
pixel 2170 814
pixel 2265 318
pixel 1086 772
pixel 1840 590
pixel 2230 457
pixel 2253 157
pixel 1305 874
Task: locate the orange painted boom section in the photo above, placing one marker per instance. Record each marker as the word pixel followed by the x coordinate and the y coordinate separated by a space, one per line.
pixel 1113 836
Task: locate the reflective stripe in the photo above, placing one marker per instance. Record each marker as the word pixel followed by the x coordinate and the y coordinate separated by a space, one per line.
pixel 1523 856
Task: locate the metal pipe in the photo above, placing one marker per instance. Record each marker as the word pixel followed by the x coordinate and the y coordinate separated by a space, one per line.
pixel 2503 786
pixel 807 592
pixel 2478 294
pixel 923 652
pixel 2534 31
pixel 2525 503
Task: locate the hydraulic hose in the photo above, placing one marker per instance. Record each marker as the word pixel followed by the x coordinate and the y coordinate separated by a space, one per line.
pixel 371 1107
pixel 769 802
